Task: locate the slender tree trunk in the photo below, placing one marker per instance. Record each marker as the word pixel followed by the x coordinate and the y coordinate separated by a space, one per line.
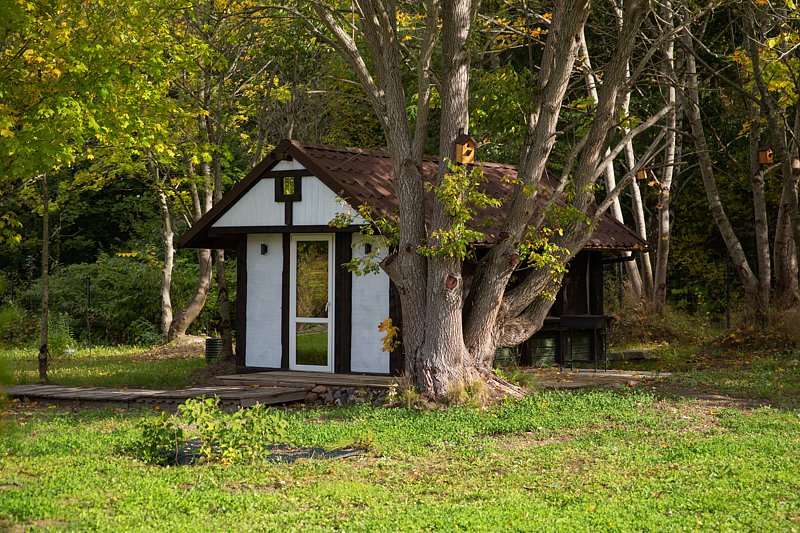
pixel 664 223
pixel 222 282
pixel 182 320
pixel 167 238
pixel 659 300
pixel 760 215
pixel 631 267
pixel 787 289
pixel 691 106
pixel 45 319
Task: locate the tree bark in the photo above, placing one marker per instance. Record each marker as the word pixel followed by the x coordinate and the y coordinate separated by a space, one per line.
pixel 226 330
pixel 181 321
pixel 167 238
pixel 659 300
pixel 760 215
pixel 450 339
pixel 691 106
pixel 45 317
pixel 631 267
pixel 446 364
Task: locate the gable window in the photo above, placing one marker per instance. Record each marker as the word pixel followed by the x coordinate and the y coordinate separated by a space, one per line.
pixel 287 188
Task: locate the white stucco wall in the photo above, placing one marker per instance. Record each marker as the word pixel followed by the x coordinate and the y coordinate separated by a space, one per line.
pixel 264 275
pixel 318 206
pixel 256 208
pixel 370 307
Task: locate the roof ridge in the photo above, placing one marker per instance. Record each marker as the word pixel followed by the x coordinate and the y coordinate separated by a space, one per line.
pixel 382 153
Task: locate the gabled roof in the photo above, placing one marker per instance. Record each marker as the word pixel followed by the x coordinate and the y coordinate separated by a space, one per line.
pixel 365 177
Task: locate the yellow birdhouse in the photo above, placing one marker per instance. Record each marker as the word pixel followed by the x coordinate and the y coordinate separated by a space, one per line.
pixel 465 149
pixel 765 155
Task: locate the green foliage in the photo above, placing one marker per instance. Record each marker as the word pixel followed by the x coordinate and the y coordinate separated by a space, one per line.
pixel 380 232
pixel 59 336
pixel 160 439
pixel 245 434
pixel 125 297
pixel 461 195
pixel 17 327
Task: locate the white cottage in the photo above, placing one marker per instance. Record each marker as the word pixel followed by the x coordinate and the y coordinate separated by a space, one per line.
pixel 297 306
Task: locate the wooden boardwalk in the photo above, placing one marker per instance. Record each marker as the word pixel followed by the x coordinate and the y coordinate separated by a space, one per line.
pixel 307 380
pixel 229 396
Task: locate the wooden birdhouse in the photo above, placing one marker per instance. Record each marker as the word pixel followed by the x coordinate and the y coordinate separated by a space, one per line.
pixel 465 149
pixel 765 155
pixel 641 174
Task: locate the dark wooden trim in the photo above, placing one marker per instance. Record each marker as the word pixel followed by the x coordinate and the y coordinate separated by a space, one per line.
pixel 285 174
pixel 194 236
pixel 288 213
pixel 297 195
pixel 241 301
pixel 343 303
pixel 254 369
pixel 220 232
pixel 596 283
pixel 397 360
pixel 285 288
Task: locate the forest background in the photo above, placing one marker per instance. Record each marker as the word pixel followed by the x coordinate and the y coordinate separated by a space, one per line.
pixel 123 122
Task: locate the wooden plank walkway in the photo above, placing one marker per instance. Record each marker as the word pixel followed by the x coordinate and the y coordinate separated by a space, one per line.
pixel 307 380
pixel 229 396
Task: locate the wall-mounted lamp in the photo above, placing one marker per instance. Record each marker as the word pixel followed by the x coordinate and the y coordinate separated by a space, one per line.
pixel 765 155
pixel 368 248
pixel 264 249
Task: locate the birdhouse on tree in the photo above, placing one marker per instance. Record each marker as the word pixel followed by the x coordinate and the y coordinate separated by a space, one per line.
pixel 465 149
pixel 765 155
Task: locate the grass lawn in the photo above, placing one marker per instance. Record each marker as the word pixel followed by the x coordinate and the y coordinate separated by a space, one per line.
pixel 558 461
pixel 119 366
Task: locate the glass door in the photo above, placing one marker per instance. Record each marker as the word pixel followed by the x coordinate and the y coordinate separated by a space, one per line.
pixel 311 303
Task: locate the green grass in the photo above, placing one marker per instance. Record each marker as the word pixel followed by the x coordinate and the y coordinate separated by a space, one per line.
pixel 558 461
pixel 771 377
pixel 123 366
pixel 312 348
pixel 742 363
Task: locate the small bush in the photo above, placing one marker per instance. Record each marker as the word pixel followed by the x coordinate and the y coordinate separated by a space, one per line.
pixel 16 326
pixel 59 335
pixel 143 333
pixel 203 429
pixel 160 441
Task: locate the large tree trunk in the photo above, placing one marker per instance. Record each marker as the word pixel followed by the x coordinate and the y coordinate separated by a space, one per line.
pixel 447 362
pixel 45 318
pixel 450 342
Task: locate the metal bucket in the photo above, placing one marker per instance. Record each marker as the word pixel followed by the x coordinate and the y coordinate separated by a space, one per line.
pixel 213 349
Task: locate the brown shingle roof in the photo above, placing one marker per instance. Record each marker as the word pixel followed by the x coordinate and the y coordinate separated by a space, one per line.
pixel 364 177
